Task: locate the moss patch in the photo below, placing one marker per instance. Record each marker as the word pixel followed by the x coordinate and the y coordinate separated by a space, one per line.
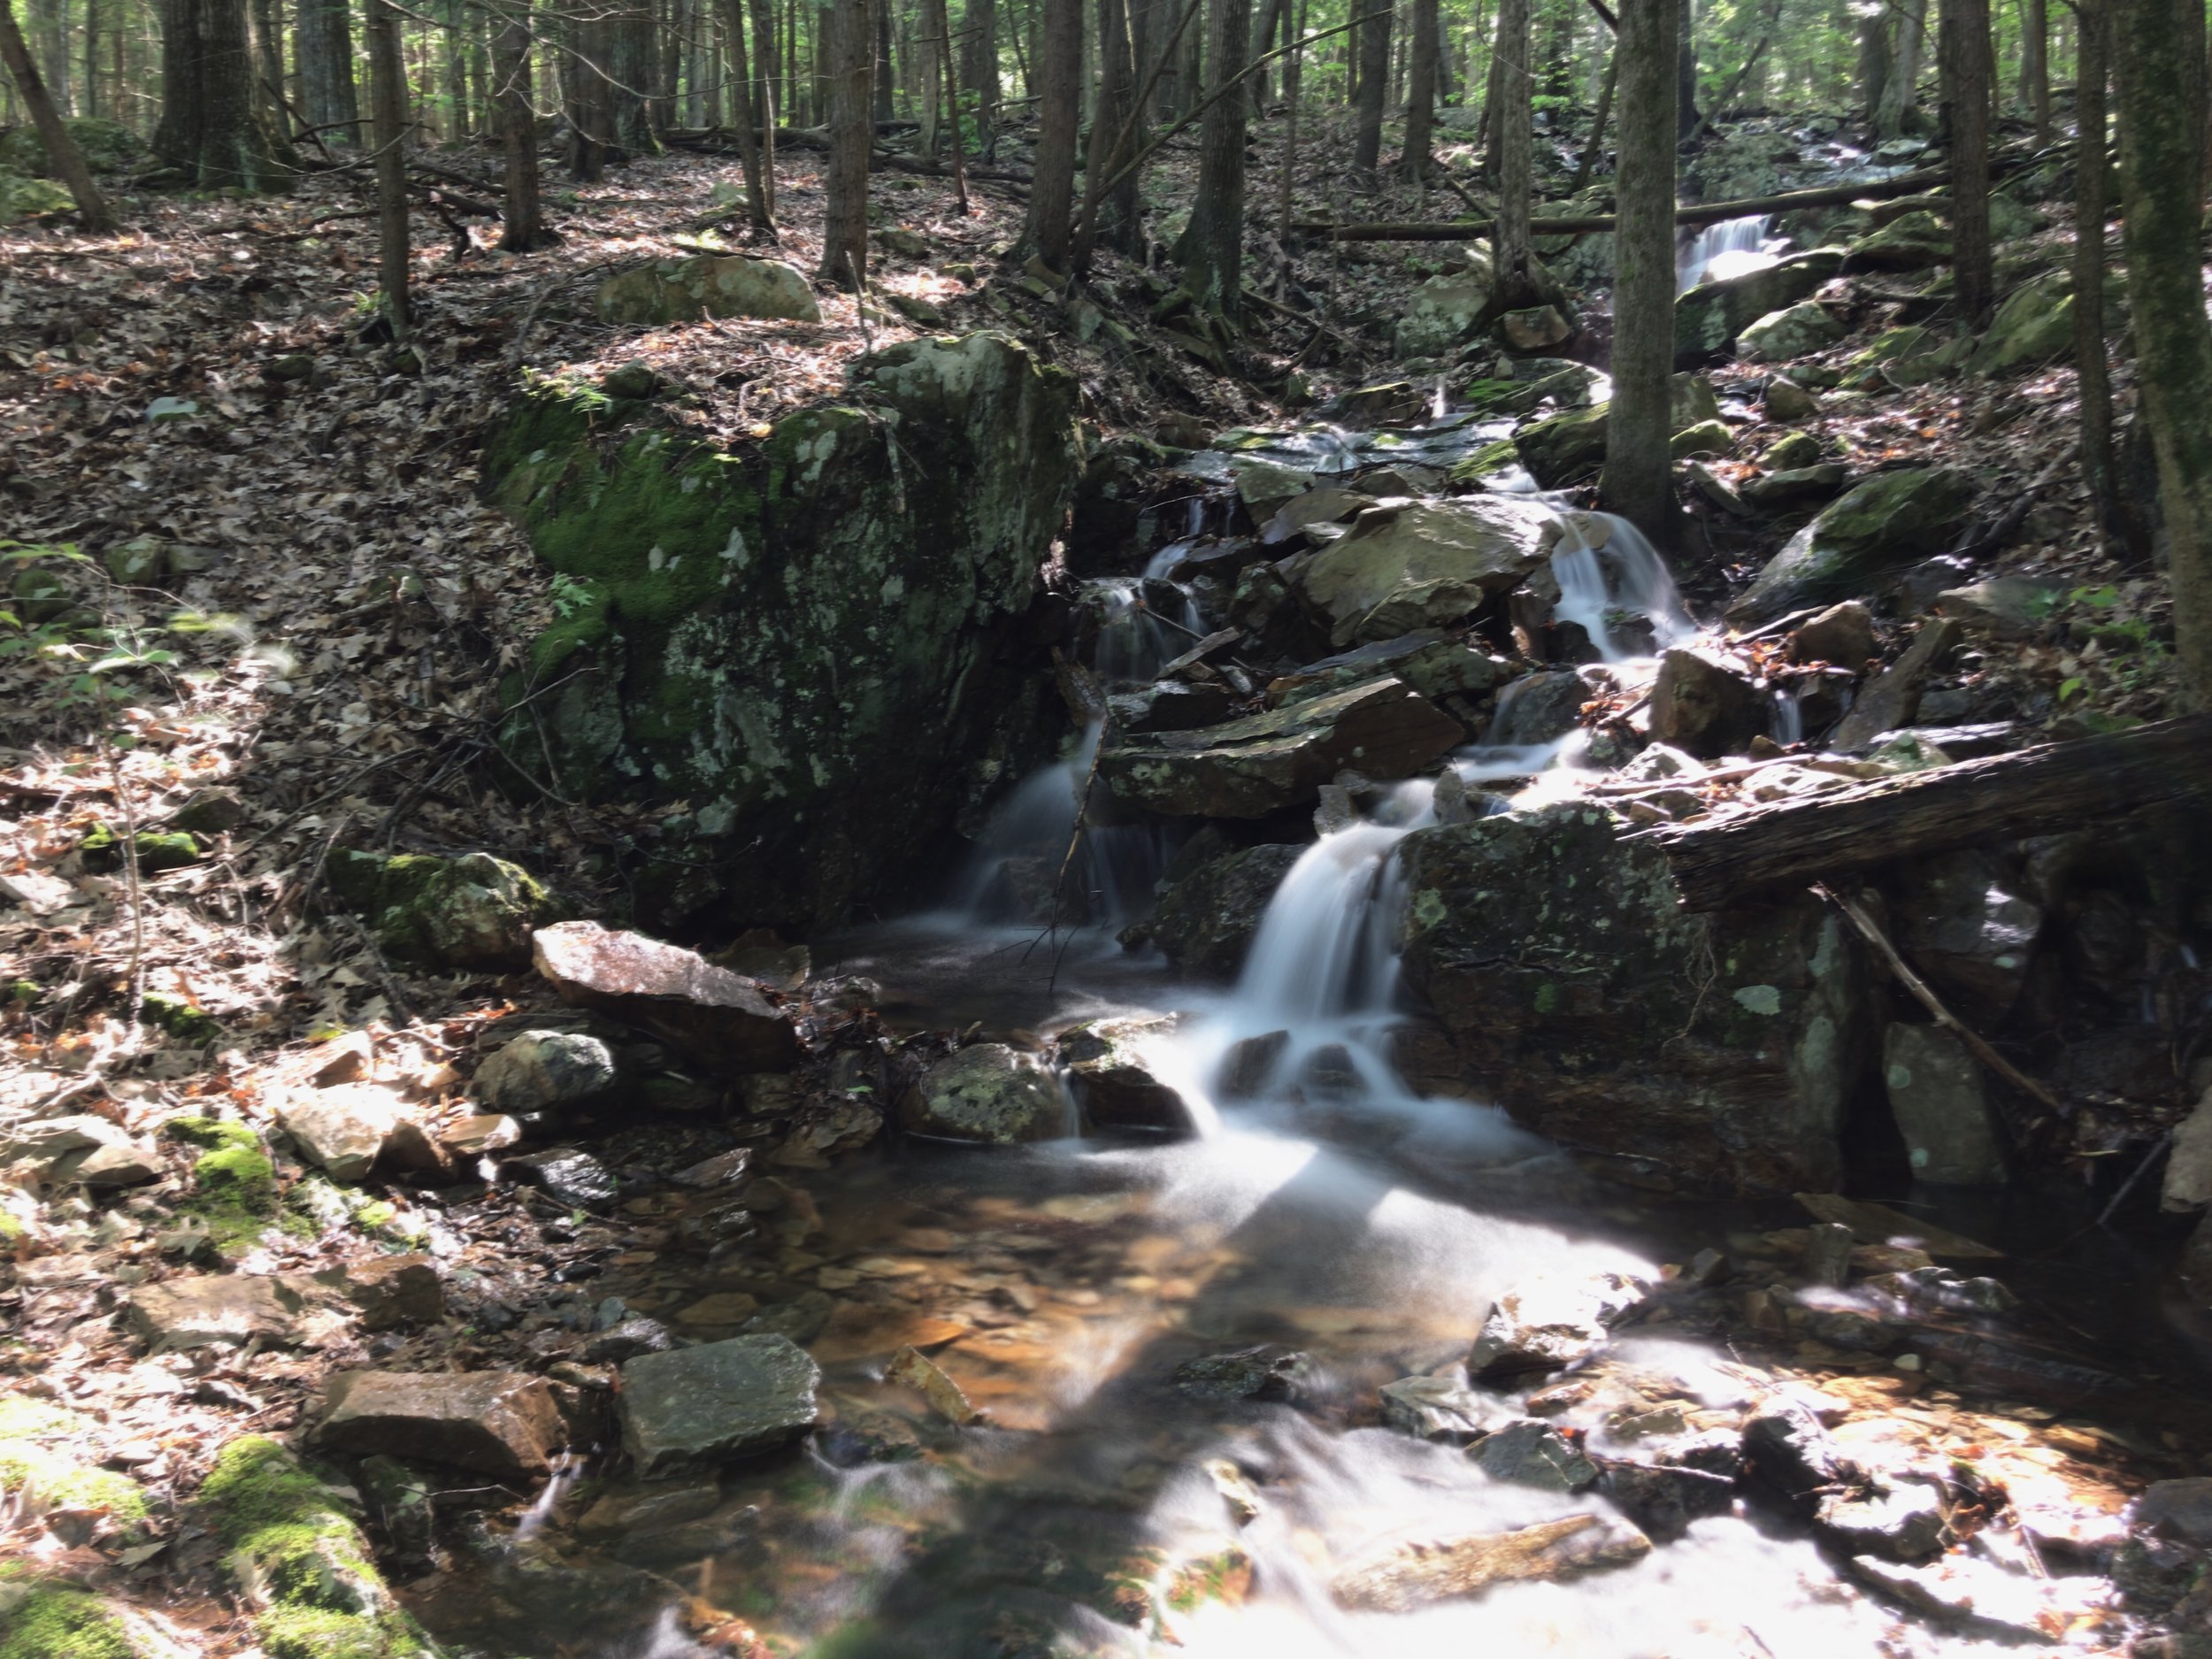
pixel 53 1481
pixel 156 850
pixel 234 1182
pixel 54 1622
pixel 180 1019
pixel 473 911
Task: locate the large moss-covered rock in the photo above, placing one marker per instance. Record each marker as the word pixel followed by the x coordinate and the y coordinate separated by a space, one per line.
pixel 757 634
pixel 473 911
pixel 1794 332
pixel 1569 448
pixel 706 285
pixel 108 146
pixel 31 198
pixel 986 1093
pixel 1876 528
pixel 1911 241
pixel 1716 1052
pixel 2035 324
pixel 49 1618
pixel 1423 565
pixel 1708 318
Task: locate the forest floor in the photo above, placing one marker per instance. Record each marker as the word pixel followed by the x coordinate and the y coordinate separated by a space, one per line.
pixel 331 606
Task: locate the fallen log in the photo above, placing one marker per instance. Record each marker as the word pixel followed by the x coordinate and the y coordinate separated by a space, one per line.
pixel 2031 792
pixel 1690 213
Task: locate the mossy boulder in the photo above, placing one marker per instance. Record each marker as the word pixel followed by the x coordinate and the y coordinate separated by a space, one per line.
pixel 23 198
pixel 41 1619
pixel 301 1561
pixel 761 631
pixel 2034 325
pixel 158 849
pixel 41 1478
pixel 986 1093
pixel 1711 1053
pixel 475 911
pixel 1706 438
pixel 1709 316
pixel 1871 532
pixel 1444 314
pixel 233 1180
pixel 108 146
pixel 706 285
pixel 1911 241
pixel 1569 448
pixel 1796 331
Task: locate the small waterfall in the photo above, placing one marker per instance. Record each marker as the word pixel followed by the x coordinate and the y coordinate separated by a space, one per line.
pixel 1786 725
pixel 1144 623
pixel 1726 250
pixel 1618 572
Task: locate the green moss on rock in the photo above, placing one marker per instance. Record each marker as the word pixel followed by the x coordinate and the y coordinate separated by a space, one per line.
pixel 473 911
pixel 51 1621
pixel 175 1015
pixel 48 1479
pixel 233 1181
pixel 158 850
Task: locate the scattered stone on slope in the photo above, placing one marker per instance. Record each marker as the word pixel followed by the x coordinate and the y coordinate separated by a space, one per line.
pixel 1890 700
pixel 1705 704
pixel 1875 529
pixel 1797 331
pixel 986 1093
pixel 1911 241
pixel 706 285
pixel 1842 635
pixel 80 1148
pixel 501 1424
pixel 722 1019
pixel 1709 316
pixel 471 912
pixel 717 1403
pixel 204 1311
pixel 543 1070
pixel 342 1130
pixel 574 1180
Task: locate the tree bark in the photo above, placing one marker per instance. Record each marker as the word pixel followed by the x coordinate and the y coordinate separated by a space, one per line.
pixel 1898 113
pixel 1059 118
pixel 1596 148
pixel 884 112
pixel 2091 200
pixel 1273 14
pixel 211 122
pixel 979 60
pixel 851 133
pixel 1874 55
pixel 631 77
pixel 1116 219
pixel 525 225
pixel 1685 112
pixel 591 109
pixel 764 95
pixel 62 153
pixel 2035 66
pixel 1966 77
pixel 1373 37
pixel 1213 248
pixel 1639 478
pixel 2035 791
pixel 1420 92
pixel 388 109
pixel 1512 282
pixel 741 112
pixel 2160 138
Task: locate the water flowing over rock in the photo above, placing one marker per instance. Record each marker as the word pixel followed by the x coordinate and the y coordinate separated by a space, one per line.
pixel 1553 1325
pixel 1876 529
pixel 1251 767
pixel 986 1093
pixel 1421 565
pixel 1719 1052
pixel 1107 1068
pixel 752 631
pixel 722 1018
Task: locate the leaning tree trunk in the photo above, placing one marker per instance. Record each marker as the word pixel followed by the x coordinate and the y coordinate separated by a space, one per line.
pixel 62 152
pixel 524 228
pixel 326 62
pixel 1374 86
pixel 1420 92
pixel 1213 247
pixel 2159 142
pixel 1512 282
pixel 1639 478
pixel 1966 86
pixel 1059 121
pixel 2091 199
pixel 387 112
pixel 851 131
pixel 212 123
pixel 749 139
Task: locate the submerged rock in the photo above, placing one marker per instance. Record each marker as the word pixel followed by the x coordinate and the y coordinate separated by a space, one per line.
pixel 698 1407
pixel 1423 565
pixel 723 1019
pixel 1406 1573
pixel 1204 922
pixel 1439 1408
pixel 1252 767
pixel 1266 1372
pixel 986 1093
pixel 1877 528
pixel 501 1424
pixel 1715 1050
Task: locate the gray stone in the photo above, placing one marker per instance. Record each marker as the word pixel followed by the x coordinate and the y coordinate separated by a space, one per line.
pixel 1890 700
pixel 1939 1097
pixel 722 1019
pixel 1552 1325
pixel 1876 528
pixel 1901 1522
pixel 1423 565
pixel 1171 705
pixel 1664 1498
pixel 1444 313
pixel 1265 487
pixel 1204 922
pixel 395 1290
pixel 82 1148
pixel 1415 1570
pixel 1266 1372
pixel 1795 486
pixel 1538 707
pixel 1434 663
pixel 1842 635
pixel 1961 920
pixel 216 1309
pixel 706 285
pixel 1705 704
pixel 1788 402
pixel 2180 1508
pixel 1796 331
pixel 1911 241
pixel 1103 1062
pixel 801 1319
pixel 626 1339
pixel 501 1424
pixel 541 1071
pixel 1439 1408
pixel 632 1506
pixel 473 912
pixel 1533 1453
pixel 2009 607
pixel 1534 328
pixel 2034 325
pixel 1709 316
pixel 986 1093
pixel 1786 1448
pixel 342 1129
pixel 716 1403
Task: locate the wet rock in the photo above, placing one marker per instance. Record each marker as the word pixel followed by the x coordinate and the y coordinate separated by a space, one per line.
pixel 1716 1052
pixel 212 1309
pixel 1434 663
pixel 1566 449
pixel 715 1404
pixel 911 1368
pixel 1422 565
pixel 1539 707
pixel 869 1437
pixel 1964 923
pixel 1251 1063
pixel 1911 241
pixel 1979 1597
pixel 1663 1499
pixel 1786 1448
pixel 986 1093
pixel 706 285
pixel 2187 1184
pixel 626 1339
pixel 1878 527
pixel 343 1129
pixel 1901 1520
pixel 1705 704
pixel 1533 1453
pixel 501 1424
pixel 1266 487
pixel 1842 635
pixel 721 1019
pixel 1796 331
pixel 1326 504
pixel 1709 316
pixel 2177 1508
pixel 1406 1573
pixel 543 1071
pixel 1552 1325
pixel 1104 1063
pixel 637 1506
pixel 1171 705
pixel 1204 922
pixel 485 1132
pixel 1266 1372
pixel 1939 1097
pixel 391 1291
pixel 1251 767
pixel 573 1179
pixel 1892 699
pixel 801 1319
pixel 1439 1408
pixel 471 912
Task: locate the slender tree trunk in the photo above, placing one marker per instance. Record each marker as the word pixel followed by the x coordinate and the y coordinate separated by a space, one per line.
pixel 1966 86
pixel 2161 133
pixel 1293 78
pixel 633 73
pixel 2035 66
pixel 882 9
pixel 326 60
pixel 1874 55
pixel 1213 248
pixel 1596 148
pixel 940 24
pixel 1511 281
pixel 62 153
pixel 1639 477
pixel 851 133
pixel 591 110
pixel 211 122
pixel 387 108
pixel 749 143
pixel 1374 86
pixel 1059 120
pixel 1900 92
pixel 1271 13
pixel 767 99
pixel 1115 223
pixel 1420 92
pixel 524 228
pixel 1493 82
pixel 2091 200
pixel 1686 110
pixel 979 62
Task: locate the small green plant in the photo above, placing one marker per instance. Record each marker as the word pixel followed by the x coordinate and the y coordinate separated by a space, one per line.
pixel 570 596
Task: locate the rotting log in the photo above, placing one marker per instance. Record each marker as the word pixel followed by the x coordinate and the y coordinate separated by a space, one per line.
pixel 1690 213
pixel 2031 792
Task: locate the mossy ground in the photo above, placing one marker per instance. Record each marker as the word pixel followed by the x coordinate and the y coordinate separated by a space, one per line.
pixel 54 1481
pixel 234 1182
pixel 55 1622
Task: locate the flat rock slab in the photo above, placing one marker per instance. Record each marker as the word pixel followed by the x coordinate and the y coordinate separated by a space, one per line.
pixel 1410 1573
pixel 723 1019
pixel 343 1129
pixel 1423 566
pixel 1252 767
pixel 216 1309
pixel 697 1407
pixel 501 1424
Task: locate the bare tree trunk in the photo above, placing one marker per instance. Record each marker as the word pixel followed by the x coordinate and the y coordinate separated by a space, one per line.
pixel 1899 91
pixel 212 126
pixel 1685 112
pixel 62 153
pixel 1059 118
pixel 851 133
pixel 1294 76
pixel 1874 56
pixel 1964 66
pixel 591 111
pixel 1511 282
pixel 1116 222
pixel 2091 200
pixel 883 8
pixel 1596 148
pixel 1213 248
pixel 2160 135
pixel 1272 15
pixel 979 63
pixel 2035 66
pixel 765 96
pixel 326 60
pixel 1420 92
pixel 1639 477
pixel 387 108
pixel 1374 87
pixel 524 228
pixel 748 141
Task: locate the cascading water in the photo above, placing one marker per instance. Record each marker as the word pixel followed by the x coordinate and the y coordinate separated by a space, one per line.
pixel 1607 569
pixel 1719 252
